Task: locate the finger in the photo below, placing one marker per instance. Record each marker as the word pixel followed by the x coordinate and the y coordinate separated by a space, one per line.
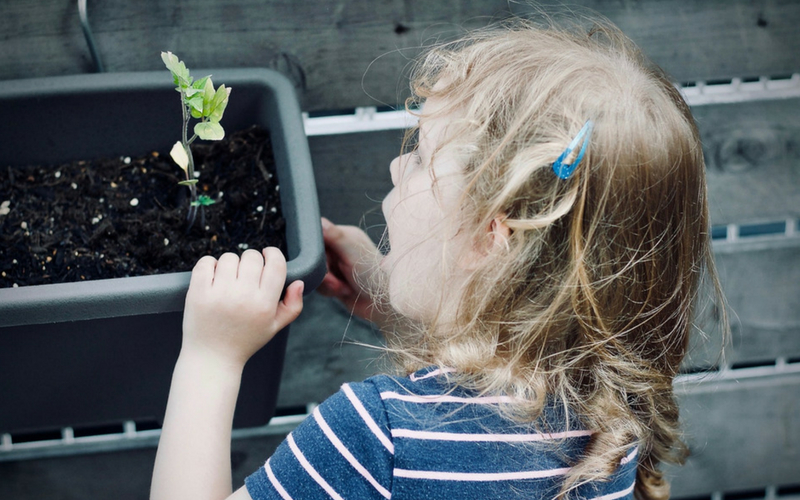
pixel 333 286
pixel 342 249
pixel 227 268
pixel 273 276
pixel 203 272
pixel 329 286
pixel 250 266
pixel 291 306
pixel 348 243
pixel 335 264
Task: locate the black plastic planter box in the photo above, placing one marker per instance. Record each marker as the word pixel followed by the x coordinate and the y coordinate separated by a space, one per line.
pixel 102 352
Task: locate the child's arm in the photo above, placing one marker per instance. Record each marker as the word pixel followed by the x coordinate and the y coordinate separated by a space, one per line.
pixel 353 261
pixel 233 308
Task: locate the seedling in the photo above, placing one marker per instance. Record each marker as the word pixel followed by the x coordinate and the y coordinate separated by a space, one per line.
pixel 201 101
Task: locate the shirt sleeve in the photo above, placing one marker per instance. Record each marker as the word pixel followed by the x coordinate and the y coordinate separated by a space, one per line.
pixel 344 448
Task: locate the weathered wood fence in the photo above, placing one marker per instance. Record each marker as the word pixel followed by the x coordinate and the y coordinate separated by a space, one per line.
pixel 741 60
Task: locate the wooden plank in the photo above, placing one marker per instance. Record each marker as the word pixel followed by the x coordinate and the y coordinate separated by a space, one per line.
pixel 121 475
pixel 743 434
pixel 752 159
pixel 761 281
pixel 346 53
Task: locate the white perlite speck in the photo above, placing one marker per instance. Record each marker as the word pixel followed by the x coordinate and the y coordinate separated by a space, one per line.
pixel 134 202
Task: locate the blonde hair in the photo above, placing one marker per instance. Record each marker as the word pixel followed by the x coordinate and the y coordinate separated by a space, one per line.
pixel 591 300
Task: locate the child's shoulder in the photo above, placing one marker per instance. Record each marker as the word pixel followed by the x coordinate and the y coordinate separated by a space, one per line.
pixel 432 396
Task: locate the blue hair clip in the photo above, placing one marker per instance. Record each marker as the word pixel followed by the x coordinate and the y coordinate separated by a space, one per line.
pixel 564 170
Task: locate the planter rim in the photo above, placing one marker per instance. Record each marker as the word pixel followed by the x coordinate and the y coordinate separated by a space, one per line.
pixel 135 80
pixel 119 297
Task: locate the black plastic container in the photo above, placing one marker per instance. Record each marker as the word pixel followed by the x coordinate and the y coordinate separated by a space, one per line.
pixel 102 352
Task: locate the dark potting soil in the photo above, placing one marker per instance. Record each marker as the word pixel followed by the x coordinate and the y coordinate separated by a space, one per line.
pixel 121 217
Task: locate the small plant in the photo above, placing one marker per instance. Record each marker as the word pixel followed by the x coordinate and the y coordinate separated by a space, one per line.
pixel 201 101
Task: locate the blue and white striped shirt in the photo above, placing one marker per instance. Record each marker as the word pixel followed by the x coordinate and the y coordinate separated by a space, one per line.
pixel 423 438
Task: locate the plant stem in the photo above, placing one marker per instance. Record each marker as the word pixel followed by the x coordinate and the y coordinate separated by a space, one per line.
pixel 193 189
pixel 190 167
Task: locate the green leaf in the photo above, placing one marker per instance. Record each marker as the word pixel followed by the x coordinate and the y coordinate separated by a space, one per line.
pixel 201 83
pixel 188 183
pixel 195 113
pixel 171 61
pixel 180 74
pixel 203 200
pixel 209 131
pixel 208 97
pixel 196 102
pixel 190 91
pixel 219 103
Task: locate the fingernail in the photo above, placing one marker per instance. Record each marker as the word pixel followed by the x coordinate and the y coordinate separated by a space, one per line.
pixel 326 224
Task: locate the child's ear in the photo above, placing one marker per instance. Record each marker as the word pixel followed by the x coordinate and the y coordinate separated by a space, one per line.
pixel 493 239
pixel 499 232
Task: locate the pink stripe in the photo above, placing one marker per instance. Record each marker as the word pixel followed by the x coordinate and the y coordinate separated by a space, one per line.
pixel 333 438
pixel 310 469
pixel 503 438
pixel 275 483
pixel 433 373
pixel 630 456
pixel 478 476
pixel 619 494
pixel 367 418
pixel 413 398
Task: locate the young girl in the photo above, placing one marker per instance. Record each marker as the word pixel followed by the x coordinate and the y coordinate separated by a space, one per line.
pixel 547 231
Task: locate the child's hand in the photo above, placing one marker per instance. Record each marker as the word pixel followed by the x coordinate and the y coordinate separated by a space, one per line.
pixel 352 259
pixel 233 306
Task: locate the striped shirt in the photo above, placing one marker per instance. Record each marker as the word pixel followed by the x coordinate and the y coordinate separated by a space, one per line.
pixel 423 438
